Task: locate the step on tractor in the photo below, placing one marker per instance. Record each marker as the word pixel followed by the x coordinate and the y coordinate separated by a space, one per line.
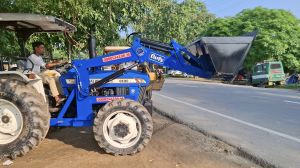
pixel 116 103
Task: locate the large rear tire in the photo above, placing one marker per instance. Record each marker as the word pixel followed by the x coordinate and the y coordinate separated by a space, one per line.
pixel 123 127
pixel 24 120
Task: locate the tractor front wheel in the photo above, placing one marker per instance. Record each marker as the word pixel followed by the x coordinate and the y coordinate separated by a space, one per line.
pixel 123 127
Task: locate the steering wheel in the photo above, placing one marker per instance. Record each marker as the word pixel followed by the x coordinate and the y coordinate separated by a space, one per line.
pixel 63 67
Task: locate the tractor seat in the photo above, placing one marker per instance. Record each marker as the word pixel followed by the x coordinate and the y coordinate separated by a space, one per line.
pixel 21 64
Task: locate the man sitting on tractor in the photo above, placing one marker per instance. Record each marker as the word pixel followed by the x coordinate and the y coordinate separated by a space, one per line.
pixel 34 64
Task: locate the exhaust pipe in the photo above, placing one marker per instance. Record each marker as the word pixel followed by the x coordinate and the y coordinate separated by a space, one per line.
pixel 92 45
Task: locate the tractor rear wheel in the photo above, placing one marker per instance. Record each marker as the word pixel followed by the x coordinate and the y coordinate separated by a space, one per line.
pixel 123 127
pixel 24 118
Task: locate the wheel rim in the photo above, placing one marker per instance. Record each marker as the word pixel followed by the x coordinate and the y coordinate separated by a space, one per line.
pixel 11 122
pixel 122 129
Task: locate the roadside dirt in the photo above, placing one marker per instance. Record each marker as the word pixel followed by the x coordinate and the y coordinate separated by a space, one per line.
pixel 172 145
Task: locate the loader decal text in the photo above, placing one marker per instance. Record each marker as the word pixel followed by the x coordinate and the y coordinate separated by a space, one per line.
pixel 157 58
pixel 107 99
pixel 116 57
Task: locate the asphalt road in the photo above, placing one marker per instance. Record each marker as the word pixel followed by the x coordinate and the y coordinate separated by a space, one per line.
pixel 263 122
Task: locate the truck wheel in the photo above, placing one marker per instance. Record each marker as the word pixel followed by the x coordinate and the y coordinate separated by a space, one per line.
pixel 24 118
pixel 123 127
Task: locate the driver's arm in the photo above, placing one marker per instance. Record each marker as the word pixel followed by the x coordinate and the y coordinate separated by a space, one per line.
pixel 50 65
pixel 55 63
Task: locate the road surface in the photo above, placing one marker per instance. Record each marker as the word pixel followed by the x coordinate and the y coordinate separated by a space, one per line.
pixel 263 122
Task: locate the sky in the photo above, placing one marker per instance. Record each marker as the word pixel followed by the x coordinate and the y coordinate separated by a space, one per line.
pixel 223 8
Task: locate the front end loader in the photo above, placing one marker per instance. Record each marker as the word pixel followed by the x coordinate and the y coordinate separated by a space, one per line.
pixel 116 103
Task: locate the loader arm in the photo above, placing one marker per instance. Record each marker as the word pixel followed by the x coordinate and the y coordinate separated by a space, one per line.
pixel 173 56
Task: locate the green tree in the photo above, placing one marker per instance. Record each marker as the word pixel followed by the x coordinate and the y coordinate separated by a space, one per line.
pixel 278 38
pixel 8 44
pixel 106 16
pixel 166 19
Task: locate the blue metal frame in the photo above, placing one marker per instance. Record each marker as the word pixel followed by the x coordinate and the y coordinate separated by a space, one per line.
pixel 83 71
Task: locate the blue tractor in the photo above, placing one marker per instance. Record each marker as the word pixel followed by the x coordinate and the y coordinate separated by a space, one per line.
pixel 116 103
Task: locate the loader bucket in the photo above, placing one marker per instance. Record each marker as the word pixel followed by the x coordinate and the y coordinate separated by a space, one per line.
pixel 222 56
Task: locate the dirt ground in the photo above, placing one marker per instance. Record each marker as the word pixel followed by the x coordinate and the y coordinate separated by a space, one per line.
pixel 172 145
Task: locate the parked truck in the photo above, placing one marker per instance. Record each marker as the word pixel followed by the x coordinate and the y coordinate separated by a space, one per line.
pixel 268 73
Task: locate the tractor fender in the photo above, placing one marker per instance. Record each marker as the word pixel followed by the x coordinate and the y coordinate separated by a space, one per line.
pixel 14 75
pixel 36 83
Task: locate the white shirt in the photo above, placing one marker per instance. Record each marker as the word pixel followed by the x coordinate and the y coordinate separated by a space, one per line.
pixel 37 61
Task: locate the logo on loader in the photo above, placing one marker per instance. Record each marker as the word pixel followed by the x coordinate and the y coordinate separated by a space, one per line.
pixel 157 58
pixel 116 57
pixel 140 51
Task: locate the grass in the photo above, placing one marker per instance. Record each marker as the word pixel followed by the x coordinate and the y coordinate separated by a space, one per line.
pixel 291 86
